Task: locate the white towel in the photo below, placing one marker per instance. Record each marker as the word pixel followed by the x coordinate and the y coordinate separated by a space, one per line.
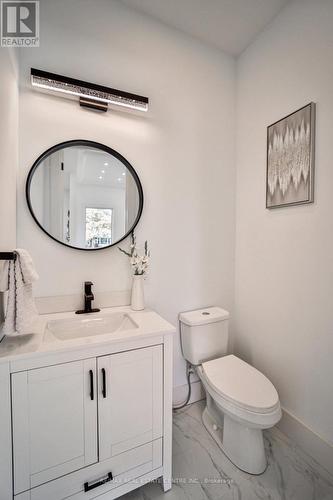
pixel 17 277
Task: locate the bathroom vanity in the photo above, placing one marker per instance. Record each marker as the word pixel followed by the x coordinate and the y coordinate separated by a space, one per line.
pixel 86 406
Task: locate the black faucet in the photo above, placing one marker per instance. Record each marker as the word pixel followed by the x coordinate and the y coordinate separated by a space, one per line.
pixel 88 298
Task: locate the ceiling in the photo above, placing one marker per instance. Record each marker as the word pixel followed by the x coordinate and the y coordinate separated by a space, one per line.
pixel 230 25
pixel 94 167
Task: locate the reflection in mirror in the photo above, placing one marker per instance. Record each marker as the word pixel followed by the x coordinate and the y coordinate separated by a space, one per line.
pixel 84 196
pixel 98 227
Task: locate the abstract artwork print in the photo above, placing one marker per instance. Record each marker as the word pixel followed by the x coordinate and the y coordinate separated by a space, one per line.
pixel 290 159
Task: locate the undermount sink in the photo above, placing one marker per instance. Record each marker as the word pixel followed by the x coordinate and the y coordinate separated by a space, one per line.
pixel 68 329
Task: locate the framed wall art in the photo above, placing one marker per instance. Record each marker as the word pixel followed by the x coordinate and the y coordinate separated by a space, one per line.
pixel 290 159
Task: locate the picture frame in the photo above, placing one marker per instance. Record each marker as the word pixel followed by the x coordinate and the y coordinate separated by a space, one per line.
pixel 291 159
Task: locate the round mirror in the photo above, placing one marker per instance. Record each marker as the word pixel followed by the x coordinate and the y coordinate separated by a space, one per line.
pixel 84 195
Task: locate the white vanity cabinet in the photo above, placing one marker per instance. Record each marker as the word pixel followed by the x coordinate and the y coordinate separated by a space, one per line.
pixel 88 423
pixel 54 419
pixel 130 400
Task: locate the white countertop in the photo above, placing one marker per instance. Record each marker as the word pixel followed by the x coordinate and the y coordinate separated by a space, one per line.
pixel 148 322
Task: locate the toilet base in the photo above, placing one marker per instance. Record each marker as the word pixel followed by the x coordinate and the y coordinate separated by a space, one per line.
pixel 242 445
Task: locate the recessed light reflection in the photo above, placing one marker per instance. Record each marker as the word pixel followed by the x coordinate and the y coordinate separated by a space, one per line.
pixel 106 164
pixel 103 171
pixel 100 177
pixel 123 173
pixel 119 178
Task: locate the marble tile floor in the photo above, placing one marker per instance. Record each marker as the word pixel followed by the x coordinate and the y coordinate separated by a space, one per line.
pixel 202 472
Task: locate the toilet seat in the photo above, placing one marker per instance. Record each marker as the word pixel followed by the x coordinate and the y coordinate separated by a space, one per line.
pixel 240 384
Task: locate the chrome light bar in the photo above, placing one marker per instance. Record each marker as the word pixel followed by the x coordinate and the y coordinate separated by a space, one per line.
pixel 90 94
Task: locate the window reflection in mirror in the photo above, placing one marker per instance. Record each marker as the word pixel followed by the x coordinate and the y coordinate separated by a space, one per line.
pixel 84 197
pixel 98 227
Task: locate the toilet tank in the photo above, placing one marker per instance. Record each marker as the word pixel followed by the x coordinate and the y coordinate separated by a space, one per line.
pixel 204 334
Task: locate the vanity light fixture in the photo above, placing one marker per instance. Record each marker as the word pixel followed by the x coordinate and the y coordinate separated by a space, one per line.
pixel 90 95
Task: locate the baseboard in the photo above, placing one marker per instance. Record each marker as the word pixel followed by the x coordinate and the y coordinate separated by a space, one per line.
pixel 310 442
pixel 180 393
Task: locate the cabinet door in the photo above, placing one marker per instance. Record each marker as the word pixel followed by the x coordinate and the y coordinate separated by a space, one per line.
pixel 130 399
pixel 54 422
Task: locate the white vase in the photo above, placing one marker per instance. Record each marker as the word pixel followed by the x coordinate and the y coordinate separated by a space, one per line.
pixel 137 298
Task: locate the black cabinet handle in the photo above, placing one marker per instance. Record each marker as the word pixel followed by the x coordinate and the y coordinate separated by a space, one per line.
pixel 88 487
pixel 103 383
pixel 91 375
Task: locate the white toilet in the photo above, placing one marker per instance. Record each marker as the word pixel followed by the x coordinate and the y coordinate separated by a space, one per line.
pixel 241 401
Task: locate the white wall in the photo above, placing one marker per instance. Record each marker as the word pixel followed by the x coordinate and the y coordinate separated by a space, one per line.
pixel 183 151
pixel 284 257
pixel 8 150
pixel 8 147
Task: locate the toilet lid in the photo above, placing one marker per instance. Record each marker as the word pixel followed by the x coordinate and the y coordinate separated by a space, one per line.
pixel 241 384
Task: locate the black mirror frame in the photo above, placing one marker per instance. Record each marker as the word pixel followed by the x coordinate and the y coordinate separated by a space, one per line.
pixel 92 144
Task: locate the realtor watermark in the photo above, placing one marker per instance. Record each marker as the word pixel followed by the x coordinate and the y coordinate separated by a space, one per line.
pixel 19 23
